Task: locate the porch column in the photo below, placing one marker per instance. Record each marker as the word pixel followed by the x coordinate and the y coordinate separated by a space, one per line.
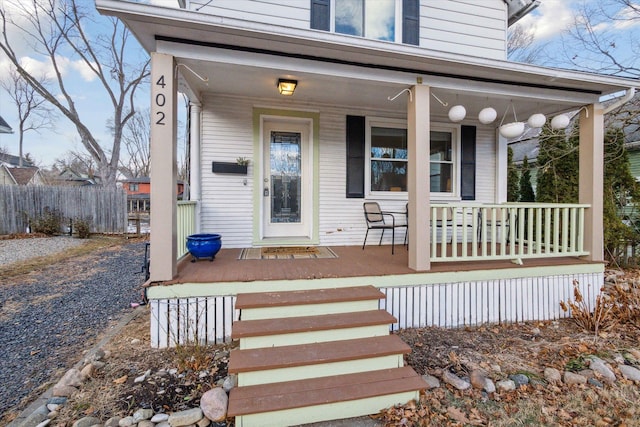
pixel 591 177
pixel 194 163
pixel 164 169
pixel 418 133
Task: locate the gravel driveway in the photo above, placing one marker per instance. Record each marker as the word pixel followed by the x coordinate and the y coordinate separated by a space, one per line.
pixel 48 318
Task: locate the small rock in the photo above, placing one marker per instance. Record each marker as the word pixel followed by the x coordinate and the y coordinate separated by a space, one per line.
pixel 126 422
pixel 629 372
pixel 587 373
pixel 72 377
pixel 601 368
pixel 98 364
pixel 87 371
pixel 184 418
pixel 173 371
pixel 63 390
pixel 135 341
pixel 57 400
pixel 112 422
pixel 489 386
pixel 552 375
pixel 496 368
pixel 214 404
pixel 34 419
pixel 158 418
pixel 45 423
pixel 432 382
pixel 535 332
pixel 571 378
pixel 87 422
pixel 203 374
pixel 53 406
pixel 205 422
pixel 506 385
pixel 454 381
pixel 635 353
pixel 594 382
pixel 163 424
pixel 142 414
pixel 229 383
pixel 51 415
pixel 519 379
pixel 478 379
pixel 145 423
pixel 618 358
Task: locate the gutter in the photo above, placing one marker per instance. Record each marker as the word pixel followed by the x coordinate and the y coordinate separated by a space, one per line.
pixel 626 98
pixel 517 9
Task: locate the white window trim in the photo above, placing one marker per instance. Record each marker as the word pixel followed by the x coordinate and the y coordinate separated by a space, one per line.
pixel 398 23
pixel 402 124
pixel 455 157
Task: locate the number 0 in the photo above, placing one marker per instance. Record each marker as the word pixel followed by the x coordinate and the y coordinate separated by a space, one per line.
pixel 160 100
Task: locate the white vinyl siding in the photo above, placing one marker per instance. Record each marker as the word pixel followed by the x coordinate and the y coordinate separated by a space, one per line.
pixel 227 204
pixel 289 13
pixel 465 27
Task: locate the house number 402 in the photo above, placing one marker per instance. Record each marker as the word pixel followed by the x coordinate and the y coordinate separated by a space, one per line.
pixel 160 101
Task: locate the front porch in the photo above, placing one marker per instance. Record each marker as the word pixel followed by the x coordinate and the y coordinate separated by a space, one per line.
pixel 199 303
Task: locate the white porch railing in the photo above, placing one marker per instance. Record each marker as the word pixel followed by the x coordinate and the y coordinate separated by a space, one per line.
pixel 466 232
pixel 186 218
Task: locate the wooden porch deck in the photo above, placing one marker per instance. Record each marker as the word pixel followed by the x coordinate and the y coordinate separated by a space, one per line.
pixel 352 261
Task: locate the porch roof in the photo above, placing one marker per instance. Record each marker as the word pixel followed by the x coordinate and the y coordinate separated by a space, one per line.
pixel 240 57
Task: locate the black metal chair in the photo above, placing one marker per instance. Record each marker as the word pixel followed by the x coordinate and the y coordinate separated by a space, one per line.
pixel 375 219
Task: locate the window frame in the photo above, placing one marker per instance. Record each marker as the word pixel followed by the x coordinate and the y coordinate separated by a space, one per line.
pixel 398 24
pixel 452 128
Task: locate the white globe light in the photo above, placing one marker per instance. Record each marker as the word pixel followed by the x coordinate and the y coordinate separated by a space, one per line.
pixel 457 113
pixel 487 115
pixel 560 121
pixel 537 120
pixel 512 130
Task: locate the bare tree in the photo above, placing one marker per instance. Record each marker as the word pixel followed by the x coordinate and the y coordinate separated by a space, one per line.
pixel 56 29
pixel 136 138
pixel 521 46
pixel 34 112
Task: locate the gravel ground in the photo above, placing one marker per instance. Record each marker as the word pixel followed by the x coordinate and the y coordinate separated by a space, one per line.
pixel 49 317
pixel 16 250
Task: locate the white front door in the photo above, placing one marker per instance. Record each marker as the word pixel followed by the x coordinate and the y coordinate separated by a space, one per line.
pixel 286 179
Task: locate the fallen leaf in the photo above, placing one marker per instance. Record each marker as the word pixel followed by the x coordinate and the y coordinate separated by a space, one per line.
pixel 457 415
pixel 121 380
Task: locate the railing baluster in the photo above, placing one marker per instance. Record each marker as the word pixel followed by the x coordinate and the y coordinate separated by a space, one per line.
pixel 565 230
pixel 556 230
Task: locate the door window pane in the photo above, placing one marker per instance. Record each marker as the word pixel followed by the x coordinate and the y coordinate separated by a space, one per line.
pixel 388 159
pixel 285 160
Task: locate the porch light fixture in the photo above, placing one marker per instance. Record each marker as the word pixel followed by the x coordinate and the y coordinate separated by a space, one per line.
pixel 513 129
pixel 560 121
pixel 457 113
pixel 287 87
pixel 537 120
pixel 487 115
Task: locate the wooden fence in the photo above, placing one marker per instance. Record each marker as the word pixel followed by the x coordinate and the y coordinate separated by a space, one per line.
pixel 105 209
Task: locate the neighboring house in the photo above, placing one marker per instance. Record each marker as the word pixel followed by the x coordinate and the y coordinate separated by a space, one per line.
pixel 139 191
pixel 20 176
pixel 337 106
pixel 70 177
pixel 4 126
pixel 11 160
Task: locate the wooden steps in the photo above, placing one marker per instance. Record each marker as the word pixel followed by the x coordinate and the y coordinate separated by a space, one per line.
pixel 316 355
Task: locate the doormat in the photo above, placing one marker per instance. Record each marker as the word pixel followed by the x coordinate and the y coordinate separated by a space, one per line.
pixel 288 252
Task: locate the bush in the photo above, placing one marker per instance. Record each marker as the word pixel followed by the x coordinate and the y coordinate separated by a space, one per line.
pixel 82 228
pixel 49 223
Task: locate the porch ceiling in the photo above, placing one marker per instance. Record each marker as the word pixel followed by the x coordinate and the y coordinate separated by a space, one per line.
pixel 247 58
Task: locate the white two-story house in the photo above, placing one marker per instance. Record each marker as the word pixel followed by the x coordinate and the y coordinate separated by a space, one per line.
pixel 338 103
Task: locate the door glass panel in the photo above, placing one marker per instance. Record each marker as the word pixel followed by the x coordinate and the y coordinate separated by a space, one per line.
pixel 285 160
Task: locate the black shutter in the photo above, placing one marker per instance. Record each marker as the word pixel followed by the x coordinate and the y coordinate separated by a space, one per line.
pixel 468 163
pixel 355 157
pixel 320 14
pixel 411 22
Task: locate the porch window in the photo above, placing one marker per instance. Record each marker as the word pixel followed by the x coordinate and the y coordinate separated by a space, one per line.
pixel 390 20
pixel 386 141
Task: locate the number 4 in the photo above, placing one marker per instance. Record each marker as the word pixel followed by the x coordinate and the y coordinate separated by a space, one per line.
pixel 161 82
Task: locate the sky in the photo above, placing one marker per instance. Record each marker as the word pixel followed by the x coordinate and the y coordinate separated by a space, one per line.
pixel 547 23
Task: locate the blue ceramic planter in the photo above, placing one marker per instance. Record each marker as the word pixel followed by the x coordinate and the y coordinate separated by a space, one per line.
pixel 204 246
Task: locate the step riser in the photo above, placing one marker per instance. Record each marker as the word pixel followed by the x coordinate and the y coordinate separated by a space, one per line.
pixel 313 337
pixel 319 370
pixel 308 310
pixel 340 410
